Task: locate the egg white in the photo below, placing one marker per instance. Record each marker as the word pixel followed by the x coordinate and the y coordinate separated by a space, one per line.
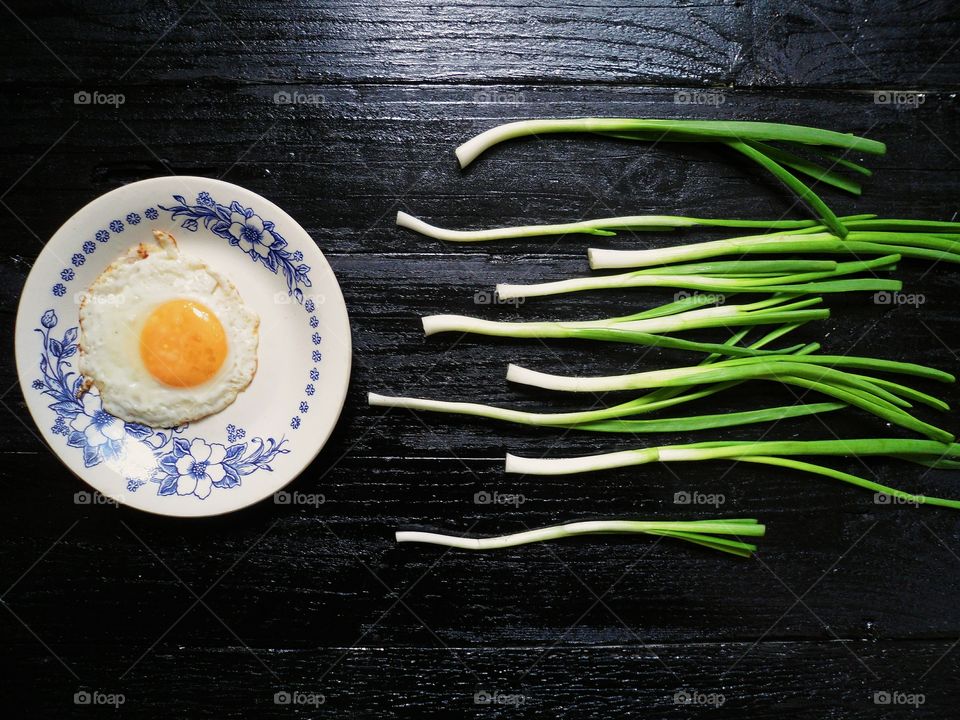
pixel 114 311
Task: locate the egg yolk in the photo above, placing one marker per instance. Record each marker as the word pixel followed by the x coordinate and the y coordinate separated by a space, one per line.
pixel 182 343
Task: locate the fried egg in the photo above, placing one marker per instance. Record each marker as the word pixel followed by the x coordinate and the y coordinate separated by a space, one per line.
pixel 165 338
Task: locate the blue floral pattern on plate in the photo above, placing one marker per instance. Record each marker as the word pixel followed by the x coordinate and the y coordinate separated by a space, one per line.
pixel 245 229
pixel 179 466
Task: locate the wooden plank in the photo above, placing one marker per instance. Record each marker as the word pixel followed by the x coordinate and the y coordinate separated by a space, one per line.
pixel 707 43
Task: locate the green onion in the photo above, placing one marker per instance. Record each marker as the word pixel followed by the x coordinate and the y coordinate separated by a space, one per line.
pixel 699 532
pixel 748 138
pixel 907 236
pixel 680 277
pixel 665 130
pixel 924 452
pixel 659 399
pixel 927 245
pixel 676 424
pixel 601 226
pixel 808 196
pixel 807 167
pixel 647 328
pixel 882 398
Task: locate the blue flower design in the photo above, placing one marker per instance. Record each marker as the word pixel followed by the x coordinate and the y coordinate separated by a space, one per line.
pixel 59 290
pixel 151 213
pixel 304 408
pixel 67 275
pixel 297 256
pixel 89 246
pixel 295 423
pixel 60 427
pixel 316 356
pixel 102 437
pixel 102 236
pixel 133 219
pixel 78 259
pixel 309 306
pixel 310 390
pixel 98 432
pixel 314 321
pixel 314 374
pixel 243 228
pixel 234 433
pixel 200 468
pixel 316 338
pixel 250 234
pixel 116 226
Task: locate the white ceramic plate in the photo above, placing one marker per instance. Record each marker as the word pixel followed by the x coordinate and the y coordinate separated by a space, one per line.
pixel 277 425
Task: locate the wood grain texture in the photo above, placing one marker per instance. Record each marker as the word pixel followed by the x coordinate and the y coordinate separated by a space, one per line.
pixel 847 598
pixel 704 43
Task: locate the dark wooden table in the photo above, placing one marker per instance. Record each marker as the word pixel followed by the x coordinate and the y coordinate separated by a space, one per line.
pixel 212 617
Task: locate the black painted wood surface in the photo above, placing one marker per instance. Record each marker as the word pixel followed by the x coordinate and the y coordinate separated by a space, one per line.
pixel 846 599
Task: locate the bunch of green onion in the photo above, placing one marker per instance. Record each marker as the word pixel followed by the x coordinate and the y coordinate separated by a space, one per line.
pixel 880 397
pixel 883 398
pixel 875 244
pixel 612 419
